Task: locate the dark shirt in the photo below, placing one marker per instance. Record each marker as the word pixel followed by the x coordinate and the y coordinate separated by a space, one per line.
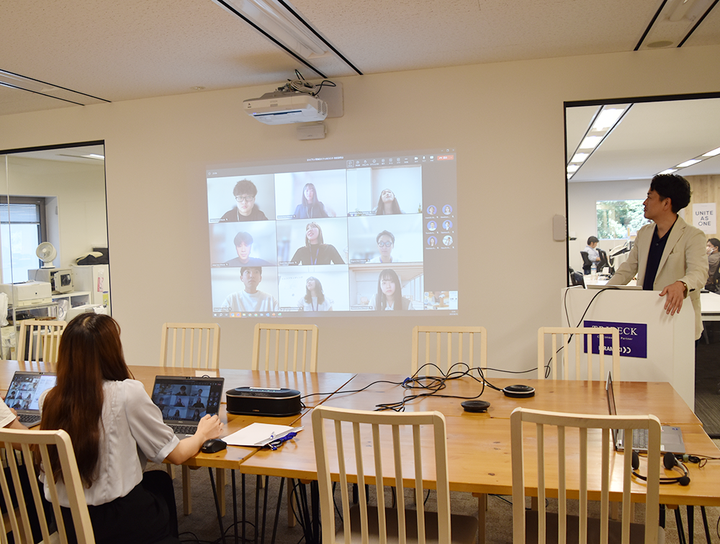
pixel 657 246
pixel 308 211
pixel 235 216
pixel 317 254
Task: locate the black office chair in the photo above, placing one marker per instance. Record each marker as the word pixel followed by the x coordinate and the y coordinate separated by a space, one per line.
pixel 587 263
pixel 576 278
pixel 600 266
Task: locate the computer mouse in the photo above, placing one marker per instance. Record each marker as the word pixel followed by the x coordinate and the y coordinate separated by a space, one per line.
pixel 213 445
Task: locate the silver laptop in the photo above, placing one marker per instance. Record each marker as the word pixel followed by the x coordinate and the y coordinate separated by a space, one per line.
pixel 184 400
pixel 24 393
pixel 670 437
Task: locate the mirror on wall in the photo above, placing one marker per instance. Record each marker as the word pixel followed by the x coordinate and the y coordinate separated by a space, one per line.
pixel 613 150
pixel 53 235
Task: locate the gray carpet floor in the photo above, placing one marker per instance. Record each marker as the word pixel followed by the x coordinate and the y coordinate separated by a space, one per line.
pixel 201 526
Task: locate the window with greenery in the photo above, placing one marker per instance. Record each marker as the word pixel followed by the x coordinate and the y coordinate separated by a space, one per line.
pixel 22 228
pixel 616 219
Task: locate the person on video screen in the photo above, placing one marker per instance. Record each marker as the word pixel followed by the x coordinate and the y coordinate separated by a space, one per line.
pixel 315 251
pixel 243 246
pixel 314 299
pixel 386 242
pixel 245 209
pixel 387 203
pixel 198 403
pixel 251 299
pixel 389 293
pixel 311 207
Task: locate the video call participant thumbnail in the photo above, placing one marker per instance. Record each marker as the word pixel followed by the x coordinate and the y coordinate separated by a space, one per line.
pixel 386 242
pixel 243 246
pixel 310 207
pixel 250 299
pixel 387 203
pixel 315 299
pixel 245 208
pixel 315 251
pixel 389 293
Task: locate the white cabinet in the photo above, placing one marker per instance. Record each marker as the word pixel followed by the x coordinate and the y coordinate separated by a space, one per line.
pixel 95 279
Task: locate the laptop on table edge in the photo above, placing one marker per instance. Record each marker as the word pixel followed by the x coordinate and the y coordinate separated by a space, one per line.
pixel 670 437
pixel 24 394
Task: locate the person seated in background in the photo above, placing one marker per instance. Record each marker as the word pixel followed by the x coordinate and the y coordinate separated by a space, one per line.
pixel 314 299
pixel 385 242
pixel 251 299
pixel 591 255
pixel 713 253
pixel 115 427
pixel 389 293
pixel 310 206
pixel 315 251
pixel 243 245
pixel 245 209
pixel 387 203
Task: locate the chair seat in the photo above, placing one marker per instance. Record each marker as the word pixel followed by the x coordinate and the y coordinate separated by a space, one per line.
pixel 637 531
pixel 463 528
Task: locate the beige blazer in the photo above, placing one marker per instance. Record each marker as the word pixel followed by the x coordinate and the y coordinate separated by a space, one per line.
pixel 684 259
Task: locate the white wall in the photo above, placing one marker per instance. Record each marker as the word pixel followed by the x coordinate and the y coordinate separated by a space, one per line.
pixel 505 120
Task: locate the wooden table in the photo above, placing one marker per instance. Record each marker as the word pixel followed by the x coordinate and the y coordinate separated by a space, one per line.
pixel 478 444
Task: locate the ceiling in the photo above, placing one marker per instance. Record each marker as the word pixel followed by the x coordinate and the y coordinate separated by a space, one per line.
pixel 90 52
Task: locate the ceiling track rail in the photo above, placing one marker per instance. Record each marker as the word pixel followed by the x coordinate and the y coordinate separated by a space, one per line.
pixel 700 20
pixel 269 37
pixel 649 27
pixel 320 37
pixel 19 87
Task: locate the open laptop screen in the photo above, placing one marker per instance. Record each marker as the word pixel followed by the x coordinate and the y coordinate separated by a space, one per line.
pixel 187 399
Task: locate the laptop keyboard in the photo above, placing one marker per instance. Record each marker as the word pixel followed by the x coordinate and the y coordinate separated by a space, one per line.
pixel 183 429
pixel 640 439
pixel 29 419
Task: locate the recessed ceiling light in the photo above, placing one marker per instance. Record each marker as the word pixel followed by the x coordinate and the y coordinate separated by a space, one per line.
pixel 712 153
pixel 590 142
pixel 198 88
pixel 580 157
pixel 94 156
pixel 668 171
pixel 688 163
pixel 607 118
pixel 572 167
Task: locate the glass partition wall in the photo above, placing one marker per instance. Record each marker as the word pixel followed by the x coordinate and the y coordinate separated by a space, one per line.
pixel 53 236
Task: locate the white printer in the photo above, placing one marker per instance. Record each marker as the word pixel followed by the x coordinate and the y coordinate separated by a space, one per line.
pixel 27 293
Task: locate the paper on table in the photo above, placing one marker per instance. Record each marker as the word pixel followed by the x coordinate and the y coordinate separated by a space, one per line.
pixel 258 434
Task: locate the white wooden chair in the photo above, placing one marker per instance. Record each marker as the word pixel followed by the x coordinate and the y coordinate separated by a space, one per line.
pixel 568 346
pixel 39 340
pixel 285 347
pixel 390 449
pixel 192 345
pixel 445 346
pixel 558 464
pixel 17 519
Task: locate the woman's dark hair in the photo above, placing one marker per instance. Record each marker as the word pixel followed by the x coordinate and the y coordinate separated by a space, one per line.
pixel 90 352
pixel 715 242
pixel 380 210
pixel 318 290
pixel 674 187
pixel 320 236
pixel 380 304
pixel 315 195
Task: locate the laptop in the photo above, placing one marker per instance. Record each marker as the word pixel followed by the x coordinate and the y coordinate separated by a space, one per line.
pixel 670 437
pixel 183 401
pixel 24 393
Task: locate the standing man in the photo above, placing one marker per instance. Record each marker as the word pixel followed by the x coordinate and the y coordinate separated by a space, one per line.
pixel 668 254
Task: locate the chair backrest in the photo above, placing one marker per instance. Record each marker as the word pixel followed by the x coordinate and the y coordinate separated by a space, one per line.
pixel 567 348
pixel 191 345
pixel 285 347
pixel 31 492
pixel 370 445
pixel 39 340
pixel 567 453
pixel 446 346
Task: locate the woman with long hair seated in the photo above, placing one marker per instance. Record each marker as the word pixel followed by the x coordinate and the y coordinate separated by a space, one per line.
pixel 115 428
pixel 314 299
pixel 311 207
pixel 389 293
pixel 315 251
pixel 387 203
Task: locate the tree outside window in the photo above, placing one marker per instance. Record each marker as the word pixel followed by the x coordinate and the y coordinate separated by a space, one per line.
pixel 617 219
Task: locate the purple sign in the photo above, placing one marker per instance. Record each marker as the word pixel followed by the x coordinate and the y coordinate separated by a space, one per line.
pixel 633 338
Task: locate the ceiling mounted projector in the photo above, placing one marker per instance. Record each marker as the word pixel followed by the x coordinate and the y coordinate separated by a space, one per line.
pixel 282 107
pixel 46 253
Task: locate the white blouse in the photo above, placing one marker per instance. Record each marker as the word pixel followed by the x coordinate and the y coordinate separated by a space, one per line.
pixel 132 432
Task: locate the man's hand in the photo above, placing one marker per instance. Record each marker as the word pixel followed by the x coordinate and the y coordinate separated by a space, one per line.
pixel 675 295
